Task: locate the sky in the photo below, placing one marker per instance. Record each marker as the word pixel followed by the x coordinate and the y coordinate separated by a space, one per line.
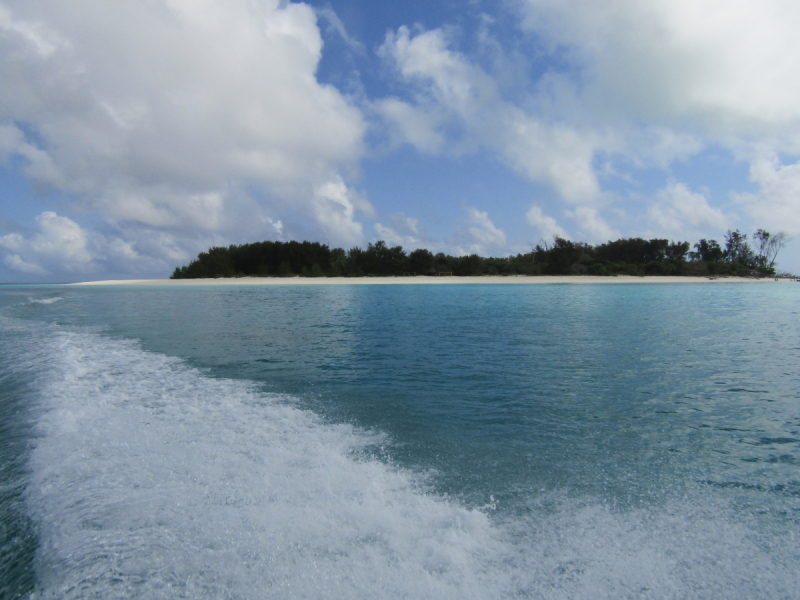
pixel 136 133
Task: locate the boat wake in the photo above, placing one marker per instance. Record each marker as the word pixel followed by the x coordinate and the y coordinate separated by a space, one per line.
pixel 152 479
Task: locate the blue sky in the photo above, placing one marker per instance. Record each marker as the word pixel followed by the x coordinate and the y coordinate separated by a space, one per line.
pixel 135 134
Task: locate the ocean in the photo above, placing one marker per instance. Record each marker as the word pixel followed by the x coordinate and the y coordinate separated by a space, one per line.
pixel 414 441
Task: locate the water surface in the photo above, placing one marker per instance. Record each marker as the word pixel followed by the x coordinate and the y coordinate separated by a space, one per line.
pixel 395 441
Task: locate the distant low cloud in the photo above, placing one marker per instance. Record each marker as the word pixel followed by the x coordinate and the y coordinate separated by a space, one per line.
pixel 547 227
pixel 59 245
pixel 402 231
pixel 334 208
pixel 679 211
pixel 776 206
pixel 480 235
pixel 591 226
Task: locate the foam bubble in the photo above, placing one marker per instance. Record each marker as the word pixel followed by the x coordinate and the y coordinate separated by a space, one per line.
pixel 151 479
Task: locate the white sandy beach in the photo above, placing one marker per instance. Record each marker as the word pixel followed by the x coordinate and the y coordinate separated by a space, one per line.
pixel 423 280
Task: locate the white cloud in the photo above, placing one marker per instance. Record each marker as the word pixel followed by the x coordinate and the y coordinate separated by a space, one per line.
pixel 334 208
pixel 178 114
pixel 458 108
pixel 547 227
pixel 11 139
pixel 591 226
pixel 776 205
pixel 38 36
pixel 481 236
pixel 680 211
pixel 16 262
pixel 553 154
pixel 403 231
pixel 652 145
pixel 719 66
pixel 483 231
pixel 58 242
pixel 59 247
pixel 335 24
pixel 412 125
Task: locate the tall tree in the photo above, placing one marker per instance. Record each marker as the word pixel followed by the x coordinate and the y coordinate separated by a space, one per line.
pixel 737 250
pixel 707 250
pixel 769 246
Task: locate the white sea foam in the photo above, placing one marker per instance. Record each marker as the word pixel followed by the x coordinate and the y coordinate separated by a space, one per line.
pixel 153 480
pixel 44 300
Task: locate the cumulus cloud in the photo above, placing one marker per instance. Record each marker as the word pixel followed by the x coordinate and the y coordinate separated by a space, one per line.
pixel 57 244
pixel 679 211
pixel 480 235
pixel 58 247
pixel 412 125
pixel 662 79
pixel 402 231
pixel 457 107
pixel 184 124
pixel 776 206
pixel 178 114
pixel 334 208
pixel 721 67
pixel 546 226
pixel 591 225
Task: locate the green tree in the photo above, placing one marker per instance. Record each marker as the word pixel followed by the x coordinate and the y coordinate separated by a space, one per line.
pixel 562 256
pixel 285 269
pixel 420 260
pixel 707 250
pixel 677 251
pixel 737 250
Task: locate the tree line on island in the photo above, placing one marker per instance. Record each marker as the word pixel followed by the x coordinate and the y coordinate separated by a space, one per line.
pixel 629 256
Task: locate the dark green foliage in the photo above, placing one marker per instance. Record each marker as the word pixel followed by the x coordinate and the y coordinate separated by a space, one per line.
pixel 419 261
pixel 708 251
pixel 285 270
pixel 677 251
pixel 634 250
pixel 632 256
pixel 737 250
pixel 562 256
pixel 380 259
pixel 469 265
pixel 262 258
pixel 597 269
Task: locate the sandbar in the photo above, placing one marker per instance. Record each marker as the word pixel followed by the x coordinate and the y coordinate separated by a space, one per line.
pixel 427 280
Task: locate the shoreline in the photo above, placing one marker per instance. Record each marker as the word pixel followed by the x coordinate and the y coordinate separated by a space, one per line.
pixel 426 280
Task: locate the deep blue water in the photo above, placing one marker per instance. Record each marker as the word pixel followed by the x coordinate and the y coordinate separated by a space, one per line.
pixel 400 441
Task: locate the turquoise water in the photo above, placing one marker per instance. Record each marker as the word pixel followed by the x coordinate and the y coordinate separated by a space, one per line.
pixel 470 441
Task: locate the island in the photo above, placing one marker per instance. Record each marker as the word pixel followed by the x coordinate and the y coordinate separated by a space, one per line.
pixel 632 257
